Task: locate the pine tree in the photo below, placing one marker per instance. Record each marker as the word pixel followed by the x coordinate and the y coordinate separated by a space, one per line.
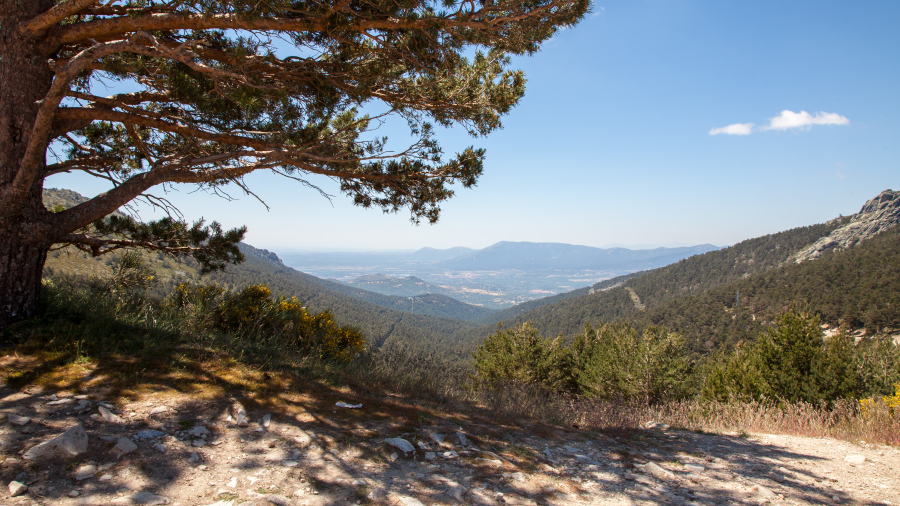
pixel 216 100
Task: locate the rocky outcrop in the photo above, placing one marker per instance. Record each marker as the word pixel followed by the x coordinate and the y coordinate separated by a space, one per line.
pixel 876 216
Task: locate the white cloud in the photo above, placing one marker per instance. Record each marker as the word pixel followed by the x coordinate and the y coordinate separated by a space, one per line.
pixel 786 121
pixel 804 120
pixel 735 129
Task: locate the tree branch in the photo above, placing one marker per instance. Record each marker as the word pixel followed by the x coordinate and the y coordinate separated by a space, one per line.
pixel 38 24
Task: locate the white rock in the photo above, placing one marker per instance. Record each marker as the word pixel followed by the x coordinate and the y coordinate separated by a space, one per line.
pixel 289 463
pixel 232 483
pixel 266 420
pixel 401 444
pixel 17 488
pixel 108 415
pixel 123 446
pixel 240 415
pixel 18 420
pixel 85 472
pixel 158 410
pixel 71 443
pixel 855 459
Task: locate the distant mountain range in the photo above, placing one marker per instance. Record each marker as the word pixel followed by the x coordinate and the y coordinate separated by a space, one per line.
pixel 532 256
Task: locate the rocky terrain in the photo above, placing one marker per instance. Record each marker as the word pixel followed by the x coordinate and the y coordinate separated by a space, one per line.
pixel 877 215
pixel 60 448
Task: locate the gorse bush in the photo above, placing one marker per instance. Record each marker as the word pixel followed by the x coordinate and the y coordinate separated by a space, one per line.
pixel 253 312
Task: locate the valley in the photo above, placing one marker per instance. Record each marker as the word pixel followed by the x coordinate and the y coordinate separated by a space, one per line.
pixel 497 277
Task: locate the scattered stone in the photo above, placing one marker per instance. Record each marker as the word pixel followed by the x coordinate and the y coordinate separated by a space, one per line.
pixel 71 443
pixel 18 420
pixel 59 402
pixel 16 488
pixel 401 444
pixel 457 492
pixel 463 440
pixel 694 468
pixel 518 476
pixel 123 446
pixel 377 493
pixel 450 454
pixel 342 404
pixel 193 457
pixel 161 448
pixel 855 459
pixel 149 434
pixel 278 500
pixel 108 415
pixel 437 438
pixel 159 410
pixel 199 431
pixel 430 455
pixel 85 472
pixel 266 420
pixel 289 463
pixel 74 493
pixel 656 470
pixel 240 415
pixel 232 483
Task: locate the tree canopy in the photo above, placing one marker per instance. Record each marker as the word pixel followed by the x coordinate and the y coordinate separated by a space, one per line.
pixel 214 90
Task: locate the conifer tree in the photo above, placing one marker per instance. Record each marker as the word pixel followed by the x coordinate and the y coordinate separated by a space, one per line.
pixel 210 98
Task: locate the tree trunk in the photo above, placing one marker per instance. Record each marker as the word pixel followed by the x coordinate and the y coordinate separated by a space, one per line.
pixel 21 266
pixel 25 231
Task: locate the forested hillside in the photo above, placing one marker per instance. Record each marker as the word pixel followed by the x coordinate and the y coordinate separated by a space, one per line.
pixel 858 287
pixel 691 276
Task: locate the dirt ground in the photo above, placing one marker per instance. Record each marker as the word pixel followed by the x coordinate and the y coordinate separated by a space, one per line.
pixel 305 450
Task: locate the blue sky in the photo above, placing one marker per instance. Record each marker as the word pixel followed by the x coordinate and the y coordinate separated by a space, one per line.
pixel 613 142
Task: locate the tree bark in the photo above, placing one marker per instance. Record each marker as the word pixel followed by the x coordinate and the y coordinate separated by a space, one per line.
pixel 25 231
pixel 21 266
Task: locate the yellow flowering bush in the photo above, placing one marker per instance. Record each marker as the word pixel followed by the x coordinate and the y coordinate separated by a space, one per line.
pixel 891 402
pixel 253 311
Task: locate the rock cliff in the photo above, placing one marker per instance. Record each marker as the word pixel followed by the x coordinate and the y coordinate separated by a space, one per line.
pixel 877 215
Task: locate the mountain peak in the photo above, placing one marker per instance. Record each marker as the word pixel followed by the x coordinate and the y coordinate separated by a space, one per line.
pixel 877 215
